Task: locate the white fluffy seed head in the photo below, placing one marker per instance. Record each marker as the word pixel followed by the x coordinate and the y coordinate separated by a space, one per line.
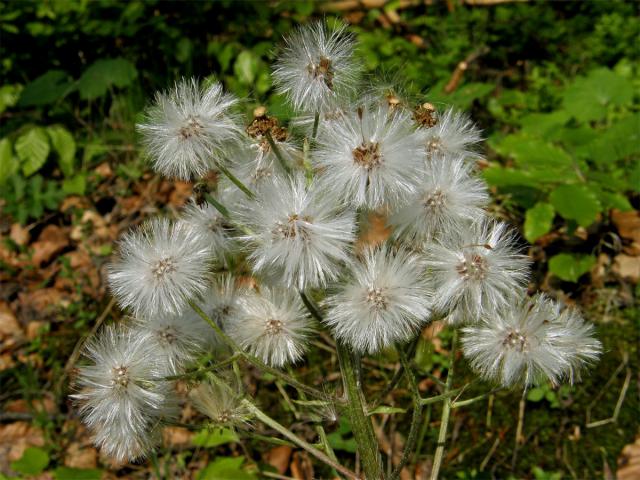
pixel 316 67
pixel 178 338
pixel 222 404
pixel 385 301
pixel 186 128
pixel 272 325
pixel 453 134
pixel 476 270
pixel 447 198
pixel 370 157
pixel 221 300
pixel 301 235
pixel 161 266
pixel 207 221
pixel 531 341
pixel 120 398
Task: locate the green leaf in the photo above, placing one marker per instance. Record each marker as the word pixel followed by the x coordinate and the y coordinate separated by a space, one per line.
pixel 534 152
pixel 619 141
pixel 65 146
pixel 246 67
pixel 570 267
pixel 33 461
pixel 32 149
pixel 587 98
pixel 8 164
pixel 226 468
pixel 385 409
pixel 46 89
pixel 75 185
pixel 535 394
pixel 102 74
pixel 66 473
pixel 214 437
pixel 538 220
pixel 541 124
pixel 576 202
pixel 507 177
pixel 9 95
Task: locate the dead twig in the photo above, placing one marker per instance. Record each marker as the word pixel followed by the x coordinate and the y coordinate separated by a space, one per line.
pixel 458 73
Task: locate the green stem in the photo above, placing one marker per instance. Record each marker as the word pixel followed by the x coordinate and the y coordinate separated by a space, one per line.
pixel 360 423
pixel 464 403
pixel 289 435
pixel 446 412
pixel 202 369
pixel 316 123
pixel 416 417
pixel 255 361
pixel 236 181
pixel 277 152
pixel 218 206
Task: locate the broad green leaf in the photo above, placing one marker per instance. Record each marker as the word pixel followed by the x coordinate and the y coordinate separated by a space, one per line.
pixel 76 185
pixel 9 95
pixel 538 220
pixel 506 177
pixel 535 394
pixel 33 461
pixel 46 89
pixel 66 473
pixel 102 74
pixel 246 67
pixel 385 409
pixel 32 149
pixel 619 141
pixel 531 152
pixel 226 468
pixel 214 437
pixel 65 146
pixel 611 200
pixel 8 164
pixel 183 49
pixel 587 98
pixel 541 124
pixel 576 202
pixel 570 267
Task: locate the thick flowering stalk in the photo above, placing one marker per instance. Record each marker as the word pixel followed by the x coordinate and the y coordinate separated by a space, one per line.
pixel 316 67
pixel 532 341
pixel 370 157
pixel 187 127
pixel 160 267
pixel 384 301
pixel 301 236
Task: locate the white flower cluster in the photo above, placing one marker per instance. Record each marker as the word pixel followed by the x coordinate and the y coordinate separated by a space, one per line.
pixel 294 213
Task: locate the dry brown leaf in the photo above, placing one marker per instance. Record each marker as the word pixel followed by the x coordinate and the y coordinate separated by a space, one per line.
pixel 20 405
pixel 279 457
pixel 19 234
pixel 629 461
pixel 377 231
pixel 15 438
pixel 176 437
pixel 180 194
pixel 627 223
pixel 6 361
pixel 9 325
pixel 43 300
pixel 627 267
pixel 301 466
pixel 51 241
pixel 78 456
pixel 33 329
pixel 104 170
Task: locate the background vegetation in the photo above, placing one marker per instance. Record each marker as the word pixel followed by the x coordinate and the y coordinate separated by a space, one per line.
pixel 554 86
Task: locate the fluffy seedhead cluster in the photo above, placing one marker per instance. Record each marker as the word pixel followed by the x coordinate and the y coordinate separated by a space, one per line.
pixel 284 228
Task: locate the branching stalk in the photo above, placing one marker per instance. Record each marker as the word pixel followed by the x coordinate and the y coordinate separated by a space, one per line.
pixel 236 181
pixel 288 434
pixel 277 152
pixel 446 412
pixel 416 417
